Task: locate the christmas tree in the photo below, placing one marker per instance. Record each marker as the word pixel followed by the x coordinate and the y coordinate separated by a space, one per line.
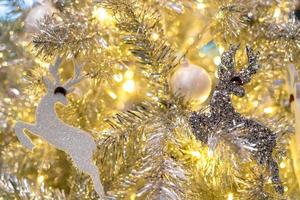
pixel 150 99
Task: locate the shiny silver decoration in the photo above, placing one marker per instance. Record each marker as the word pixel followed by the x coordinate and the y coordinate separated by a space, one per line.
pixel 11 187
pixel 256 138
pixel 77 143
pixel 286 36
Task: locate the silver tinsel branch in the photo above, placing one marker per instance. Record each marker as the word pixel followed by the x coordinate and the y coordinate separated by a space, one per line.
pixel 67 33
pixel 138 22
pixel 144 133
pixel 286 36
pixel 11 187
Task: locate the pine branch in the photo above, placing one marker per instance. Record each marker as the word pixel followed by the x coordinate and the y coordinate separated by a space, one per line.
pixel 66 34
pixel 127 129
pixel 120 146
pixel 231 18
pixel 155 175
pixel 13 188
pixel 139 22
pixel 81 187
pixel 285 36
pixel 258 187
pixel 136 153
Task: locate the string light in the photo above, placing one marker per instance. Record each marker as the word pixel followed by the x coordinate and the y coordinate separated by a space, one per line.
pixel 40 179
pixel 118 77
pixel 221 50
pixel 154 36
pixel 129 86
pixel 282 165
pixel 210 153
pixel 195 154
pixel 129 74
pixel 230 196
pixel 112 95
pixel 217 60
pixel 201 6
pixel 268 110
pixel 277 13
pixel 100 14
pixel 133 196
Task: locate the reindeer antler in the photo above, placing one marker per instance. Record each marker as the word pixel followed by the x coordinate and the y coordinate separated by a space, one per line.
pixel 252 67
pixel 54 70
pixel 227 62
pixel 227 59
pixel 77 76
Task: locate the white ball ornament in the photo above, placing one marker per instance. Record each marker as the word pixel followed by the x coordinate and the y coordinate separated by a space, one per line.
pixel 37 13
pixel 192 82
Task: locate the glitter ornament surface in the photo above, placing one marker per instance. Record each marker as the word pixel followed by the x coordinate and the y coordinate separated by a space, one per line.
pixel 191 81
pixel 75 142
pixel 258 139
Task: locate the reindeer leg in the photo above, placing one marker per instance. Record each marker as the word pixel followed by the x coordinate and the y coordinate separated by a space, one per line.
pixel 262 138
pixel 94 173
pixel 87 167
pixel 23 138
pixel 265 149
pixel 274 171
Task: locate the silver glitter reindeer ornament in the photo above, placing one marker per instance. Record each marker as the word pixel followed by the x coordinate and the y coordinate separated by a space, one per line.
pixel 75 142
pixel 222 115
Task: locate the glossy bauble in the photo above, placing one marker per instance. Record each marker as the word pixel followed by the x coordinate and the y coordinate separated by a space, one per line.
pixel 191 81
pixel 36 14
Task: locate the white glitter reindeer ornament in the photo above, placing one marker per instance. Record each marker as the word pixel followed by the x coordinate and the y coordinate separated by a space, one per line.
pixel 294 90
pixel 75 142
pixel 293 84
